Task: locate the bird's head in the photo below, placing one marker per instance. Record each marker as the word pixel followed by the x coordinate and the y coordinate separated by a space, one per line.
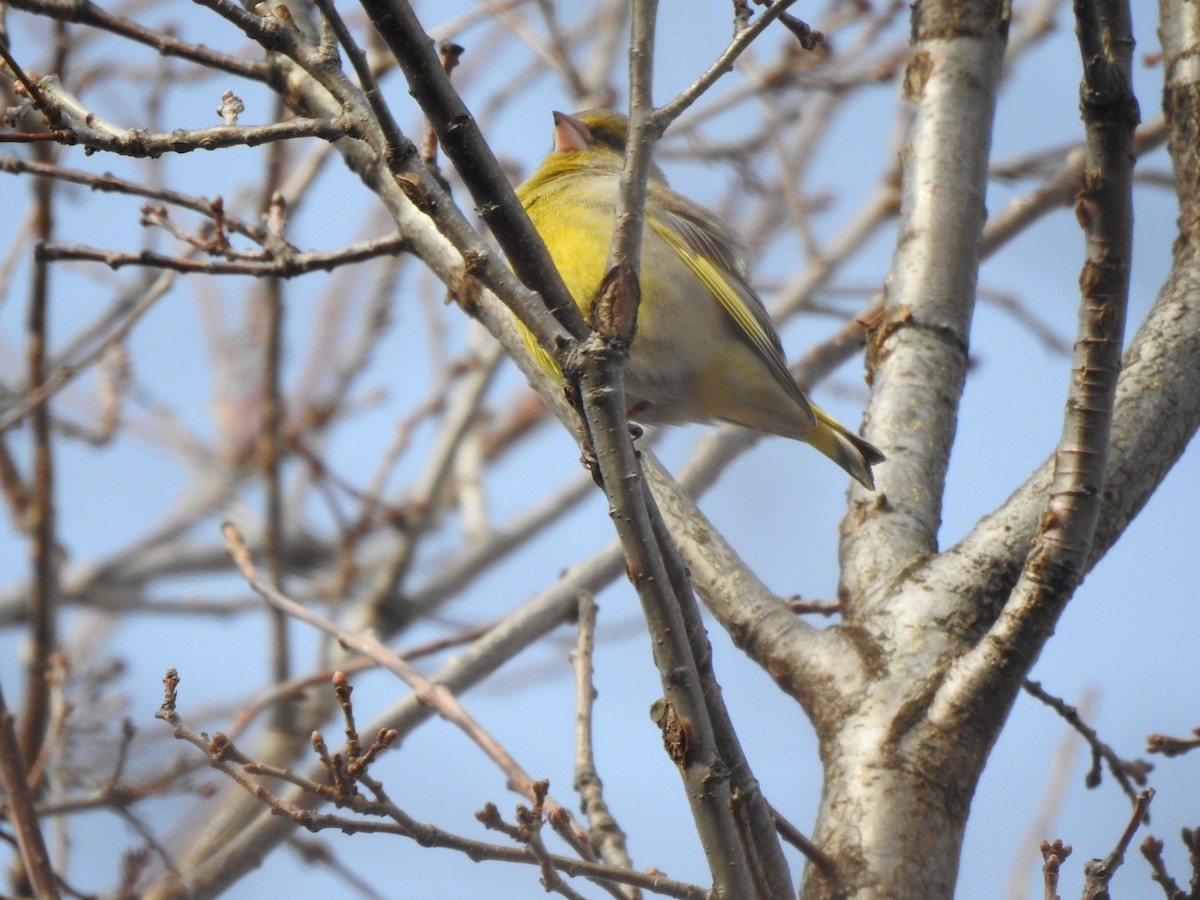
pixel 593 130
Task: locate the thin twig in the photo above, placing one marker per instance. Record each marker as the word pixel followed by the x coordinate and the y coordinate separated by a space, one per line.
pixel 283 265
pixel 270 433
pixel 213 209
pixel 1127 772
pixel 43 600
pixel 1042 820
pixel 449 53
pixel 33 397
pixel 1152 849
pixel 1099 872
pixel 78 125
pixel 604 834
pixel 1172 746
pixel 798 839
pixel 435 695
pixel 229 761
pixel 85 12
pixel 1053 854
pixel 669 112
pixel 21 813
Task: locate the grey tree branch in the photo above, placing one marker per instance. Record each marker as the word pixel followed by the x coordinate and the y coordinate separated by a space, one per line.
pixel 920 348
pixel 77 124
pixel 1105 209
pixel 465 146
pixel 85 12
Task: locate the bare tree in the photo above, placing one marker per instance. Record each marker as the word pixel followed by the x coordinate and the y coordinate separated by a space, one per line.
pixel 361 486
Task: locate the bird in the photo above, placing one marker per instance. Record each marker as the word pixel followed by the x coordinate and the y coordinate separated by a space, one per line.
pixel 705 348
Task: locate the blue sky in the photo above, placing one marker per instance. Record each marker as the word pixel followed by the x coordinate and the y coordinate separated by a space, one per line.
pixel 1129 635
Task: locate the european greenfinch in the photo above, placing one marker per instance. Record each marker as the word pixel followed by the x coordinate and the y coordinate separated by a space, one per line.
pixel 705 347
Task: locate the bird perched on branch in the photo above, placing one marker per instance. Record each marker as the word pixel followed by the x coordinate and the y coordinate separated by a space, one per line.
pixel 705 347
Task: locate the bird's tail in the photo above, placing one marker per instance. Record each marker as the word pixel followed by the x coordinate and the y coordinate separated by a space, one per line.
pixel 845 448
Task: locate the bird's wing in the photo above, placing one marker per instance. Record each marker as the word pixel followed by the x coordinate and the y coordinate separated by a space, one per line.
pixel 711 254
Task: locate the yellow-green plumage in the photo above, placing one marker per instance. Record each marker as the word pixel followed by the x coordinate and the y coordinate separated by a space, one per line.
pixel 705 347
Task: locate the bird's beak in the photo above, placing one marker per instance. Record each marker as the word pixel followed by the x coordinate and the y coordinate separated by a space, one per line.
pixel 570 134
